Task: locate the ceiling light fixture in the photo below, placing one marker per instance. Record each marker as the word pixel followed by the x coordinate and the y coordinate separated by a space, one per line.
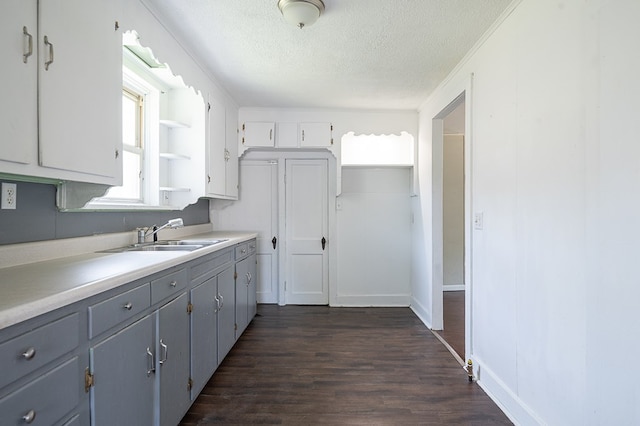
pixel 301 13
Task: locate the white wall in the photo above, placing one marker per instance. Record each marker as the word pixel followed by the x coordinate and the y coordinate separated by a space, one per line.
pixel 374 237
pixel 555 168
pixel 453 212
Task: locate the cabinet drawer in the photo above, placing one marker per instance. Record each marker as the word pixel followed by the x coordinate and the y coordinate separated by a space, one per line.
pixel 104 315
pixel 206 269
pixel 27 352
pixel 48 398
pixel 251 245
pixel 242 250
pixel 167 285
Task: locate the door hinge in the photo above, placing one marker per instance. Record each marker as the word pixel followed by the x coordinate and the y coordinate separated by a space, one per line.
pixel 243 127
pixel 235 275
pixel 189 308
pixel 116 26
pixel 331 141
pixel 88 380
pixel 285 286
pixel 235 327
pixel 208 106
pixel 332 127
pixel 243 140
pixel 190 384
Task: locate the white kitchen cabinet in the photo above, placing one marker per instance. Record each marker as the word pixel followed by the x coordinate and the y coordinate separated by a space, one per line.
pixel 315 135
pixel 76 73
pixel 258 134
pixel 222 167
pixel 18 105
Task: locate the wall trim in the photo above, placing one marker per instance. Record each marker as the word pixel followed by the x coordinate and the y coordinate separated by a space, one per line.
pixel 512 406
pixel 421 312
pixel 376 300
pixel 454 287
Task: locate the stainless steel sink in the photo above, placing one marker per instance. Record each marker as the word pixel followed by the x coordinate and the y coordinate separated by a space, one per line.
pixel 171 245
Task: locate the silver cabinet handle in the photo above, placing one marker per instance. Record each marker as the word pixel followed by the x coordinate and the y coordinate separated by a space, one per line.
pixel 173 283
pixel 165 350
pixel 217 304
pixel 151 362
pixel 127 306
pixel 29 417
pixel 250 277
pixel 29 353
pixel 221 301
pixel 243 251
pixel 270 134
pixel 29 51
pixel 50 61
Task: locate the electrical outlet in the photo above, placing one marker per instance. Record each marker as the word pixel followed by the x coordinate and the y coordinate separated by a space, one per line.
pixel 9 195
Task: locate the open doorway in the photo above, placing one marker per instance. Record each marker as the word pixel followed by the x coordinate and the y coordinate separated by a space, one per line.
pixel 450 237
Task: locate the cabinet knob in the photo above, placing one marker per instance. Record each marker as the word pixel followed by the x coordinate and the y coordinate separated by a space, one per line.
pixel 173 283
pixel 29 353
pixel 29 417
pixel 127 306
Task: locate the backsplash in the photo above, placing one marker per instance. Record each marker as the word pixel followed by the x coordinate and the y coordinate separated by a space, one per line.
pixel 36 217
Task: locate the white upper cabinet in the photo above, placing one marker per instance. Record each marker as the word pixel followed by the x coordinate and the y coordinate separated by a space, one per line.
pixel 222 165
pixel 80 87
pixel 258 134
pixel 312 135
pixel 61 113
pixel 18 105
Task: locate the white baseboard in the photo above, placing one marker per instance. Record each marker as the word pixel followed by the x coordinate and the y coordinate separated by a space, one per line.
pixel 421 312
pixel 453 287
pixel 384 300
pixel 514 408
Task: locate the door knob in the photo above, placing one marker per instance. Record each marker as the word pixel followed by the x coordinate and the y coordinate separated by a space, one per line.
pixel 324 242
pixel 274 241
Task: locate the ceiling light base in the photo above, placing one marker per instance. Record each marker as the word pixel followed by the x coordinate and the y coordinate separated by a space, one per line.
pixel 301 13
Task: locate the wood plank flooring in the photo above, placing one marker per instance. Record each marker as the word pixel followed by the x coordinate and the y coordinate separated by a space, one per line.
pixel 315 365
pixel 453 317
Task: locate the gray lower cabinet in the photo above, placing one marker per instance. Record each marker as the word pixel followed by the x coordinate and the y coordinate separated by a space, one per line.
pixel 124 369
pixel 225 303
pixel 173 360
pixel 204 325
pixel 137 355
pixel 245 292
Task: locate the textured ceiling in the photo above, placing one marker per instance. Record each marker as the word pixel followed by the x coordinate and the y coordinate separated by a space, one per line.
pixel 362 54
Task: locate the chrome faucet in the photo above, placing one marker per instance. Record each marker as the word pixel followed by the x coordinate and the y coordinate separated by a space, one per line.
pixel 143 233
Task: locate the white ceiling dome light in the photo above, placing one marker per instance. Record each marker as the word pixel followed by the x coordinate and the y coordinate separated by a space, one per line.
pixel 301 13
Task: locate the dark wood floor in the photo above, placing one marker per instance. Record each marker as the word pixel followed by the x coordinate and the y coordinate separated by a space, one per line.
pixel 314 365
pixel 453 317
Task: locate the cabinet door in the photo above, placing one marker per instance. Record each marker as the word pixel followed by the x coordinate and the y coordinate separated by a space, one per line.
pixel 204 352
pixel 124 369
pixel 315 135
pixel 80 92
pixel 18 105
pixel 226 312
pixel 252 291
pixel 231 152
pixel 216 168
pixel 173 360
pixel 242 295
pixel 258 134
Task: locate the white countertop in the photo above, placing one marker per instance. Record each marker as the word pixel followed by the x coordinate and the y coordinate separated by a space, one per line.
pixel 32 289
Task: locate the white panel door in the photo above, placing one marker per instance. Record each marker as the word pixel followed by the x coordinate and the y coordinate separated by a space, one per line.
pixel 257 210
pixel 307 270
pixel 18 106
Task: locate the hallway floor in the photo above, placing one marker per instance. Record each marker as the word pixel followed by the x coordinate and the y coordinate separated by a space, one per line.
pixel 308 365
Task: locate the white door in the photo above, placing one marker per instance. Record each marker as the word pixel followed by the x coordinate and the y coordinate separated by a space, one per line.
pixel 306 218
pixel 257 210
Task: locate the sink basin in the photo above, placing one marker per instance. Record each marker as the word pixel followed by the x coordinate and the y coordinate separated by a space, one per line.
pixel 171 245
pixel 166 247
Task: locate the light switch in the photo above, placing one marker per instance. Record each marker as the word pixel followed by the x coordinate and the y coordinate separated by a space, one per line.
pixel 478 221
